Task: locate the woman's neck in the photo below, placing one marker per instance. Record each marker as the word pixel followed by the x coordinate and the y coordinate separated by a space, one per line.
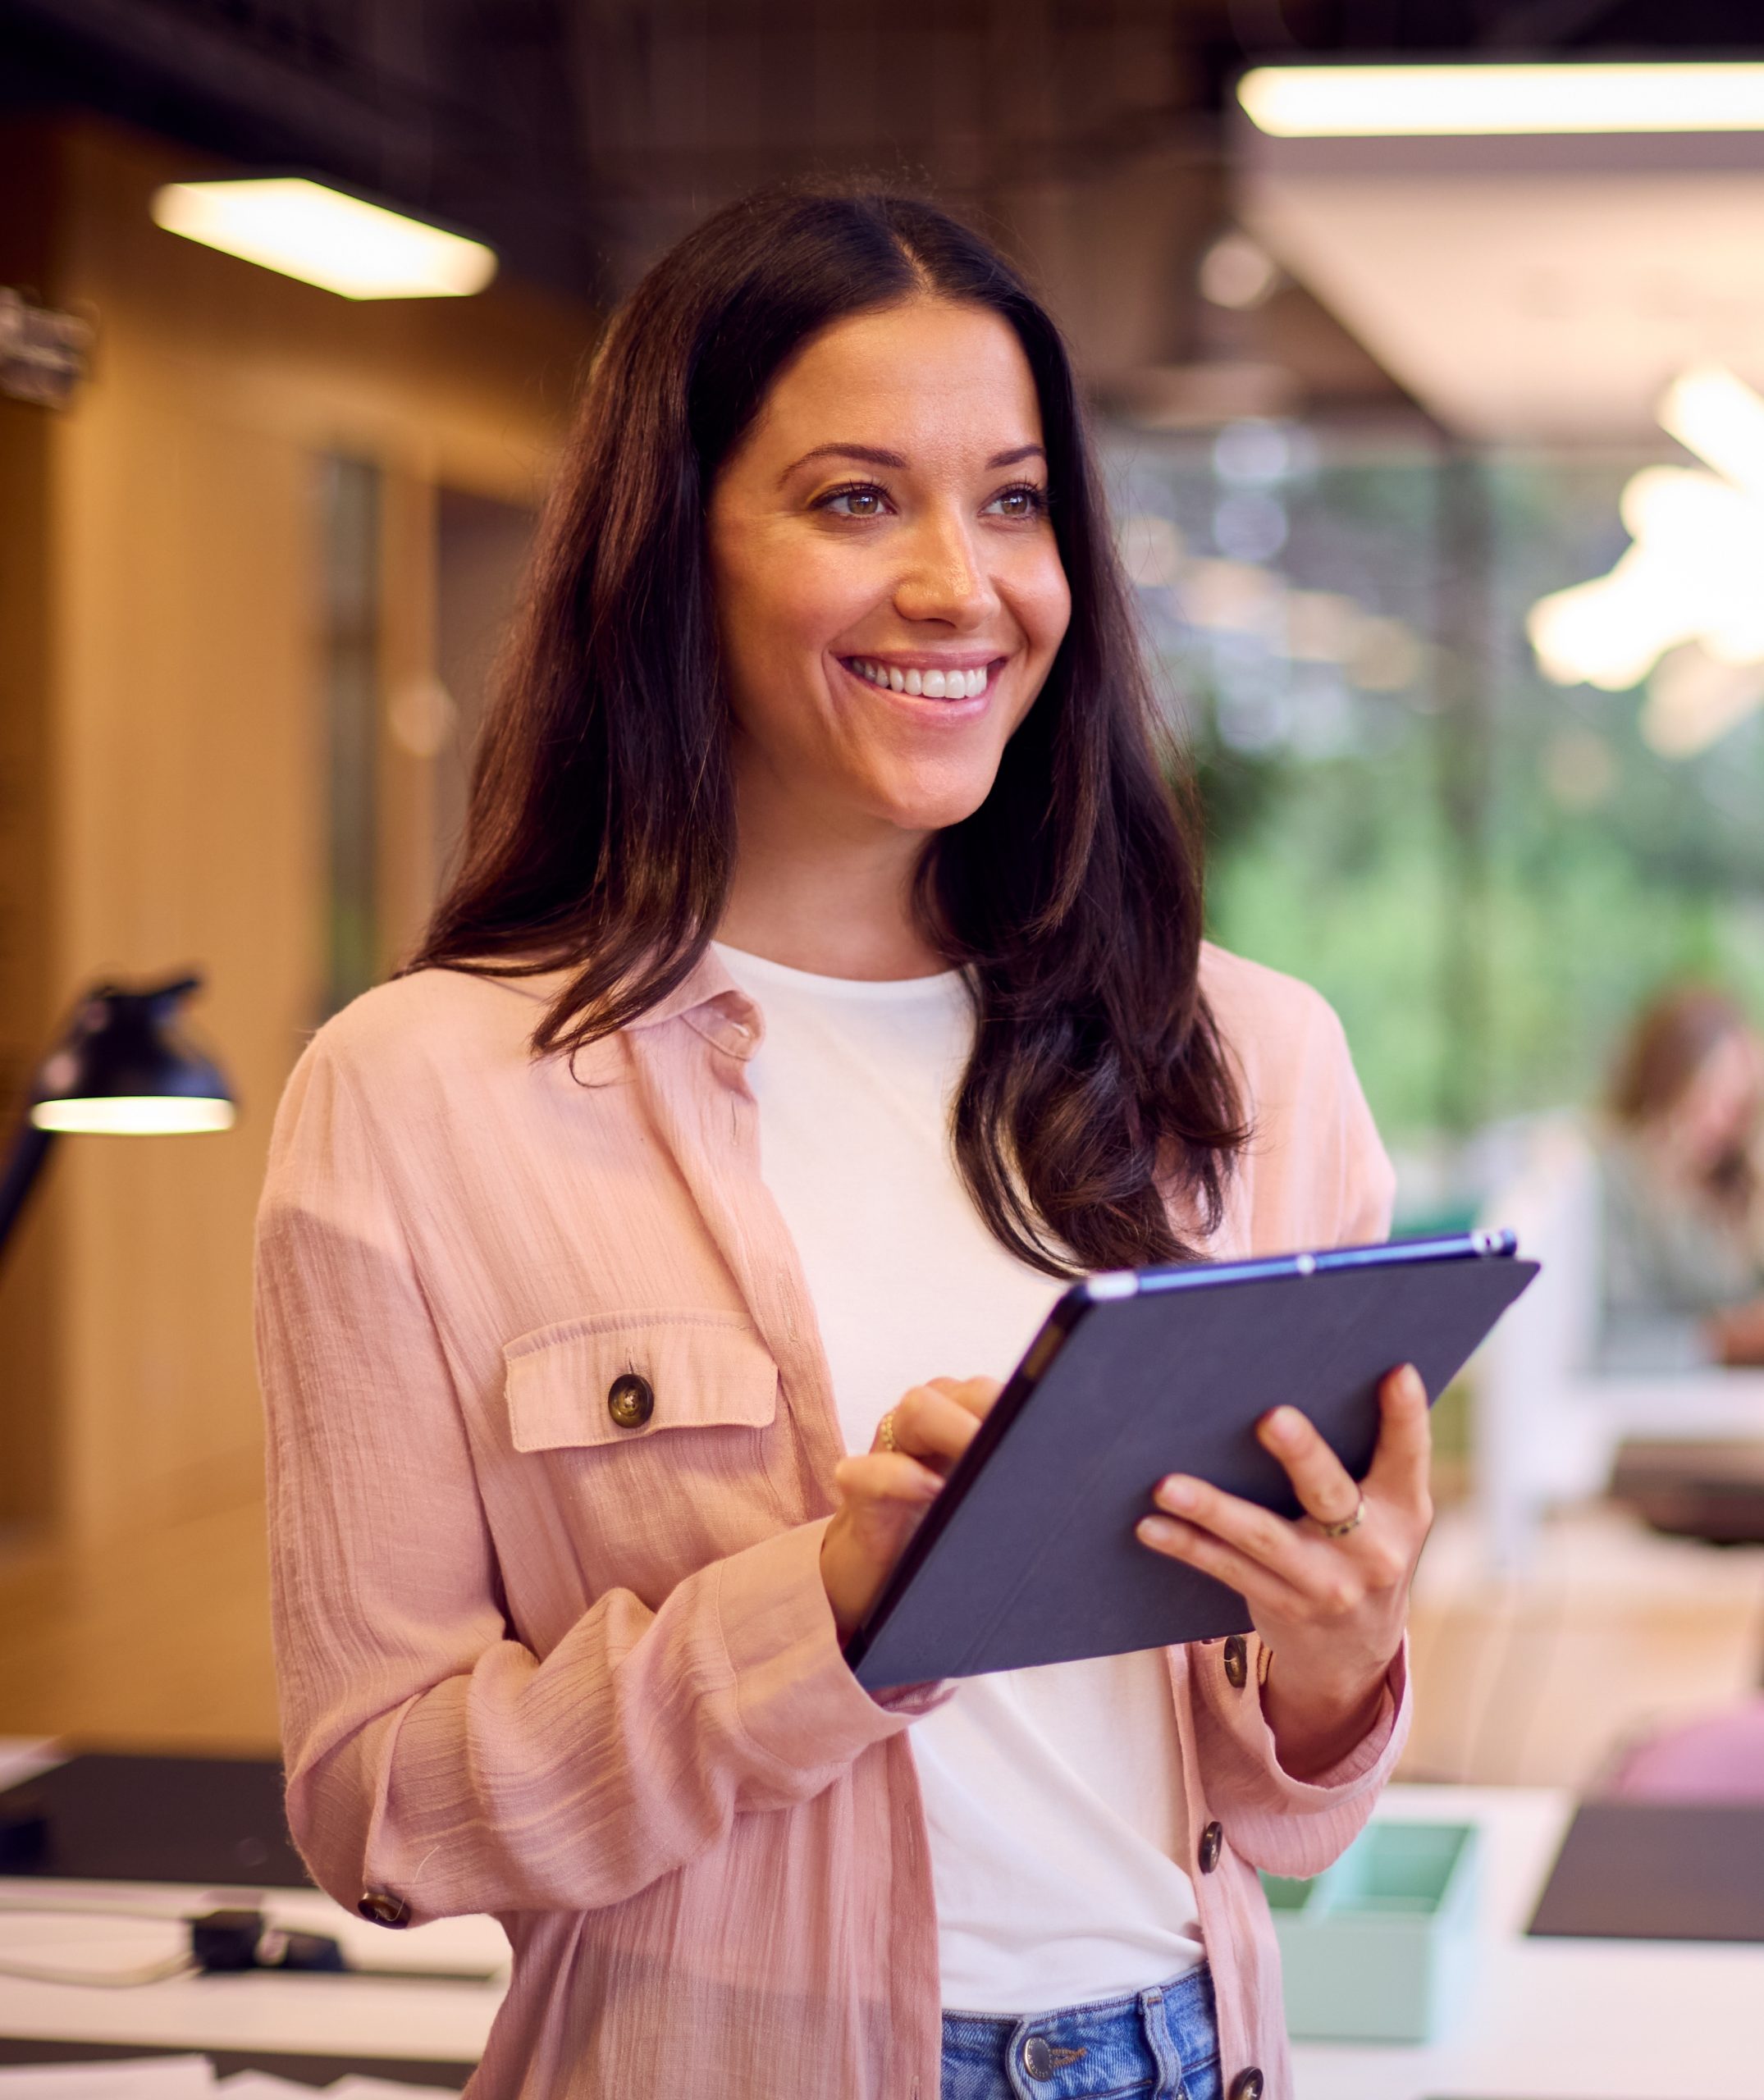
pixel 834 902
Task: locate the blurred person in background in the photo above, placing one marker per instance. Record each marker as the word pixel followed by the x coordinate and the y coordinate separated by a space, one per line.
pixel 822 989
pixel 1683 1252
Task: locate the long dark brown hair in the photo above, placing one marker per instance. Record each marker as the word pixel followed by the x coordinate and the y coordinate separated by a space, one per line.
pixel 1667 1045
pixel 601 832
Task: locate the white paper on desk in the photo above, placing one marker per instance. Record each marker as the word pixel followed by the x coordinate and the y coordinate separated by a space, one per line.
pixel 260 2085
pixel 128 2078
pixel 357 2087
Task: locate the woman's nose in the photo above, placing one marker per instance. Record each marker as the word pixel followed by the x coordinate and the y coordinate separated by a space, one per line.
pixel 946 579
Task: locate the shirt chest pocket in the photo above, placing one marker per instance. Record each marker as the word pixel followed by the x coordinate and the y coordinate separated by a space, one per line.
pixel 617 1378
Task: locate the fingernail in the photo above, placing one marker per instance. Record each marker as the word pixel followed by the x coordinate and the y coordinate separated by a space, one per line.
pixel 1179 1493
pixel 1284 1424
pixel 1416 1389
pixel 1158 1530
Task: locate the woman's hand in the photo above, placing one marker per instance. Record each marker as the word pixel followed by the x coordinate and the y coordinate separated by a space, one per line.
pixel 1331 1608
pixel 884 1493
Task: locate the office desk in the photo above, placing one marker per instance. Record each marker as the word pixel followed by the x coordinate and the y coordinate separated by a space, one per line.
pixel 1547 2020
pixel 263 2013
pixel 1554 2019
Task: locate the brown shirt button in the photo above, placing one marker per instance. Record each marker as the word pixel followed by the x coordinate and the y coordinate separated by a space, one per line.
pixel 1211 1843
pixel 1236 1662
pixel 1247 2085
pixel 630 1400
pixel 379 1908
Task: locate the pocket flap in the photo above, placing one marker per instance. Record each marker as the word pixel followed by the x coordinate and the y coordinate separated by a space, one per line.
pixel 704 1370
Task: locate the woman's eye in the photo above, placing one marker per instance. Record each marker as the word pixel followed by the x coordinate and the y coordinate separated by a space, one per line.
pixel 861 502
pixel 1025 501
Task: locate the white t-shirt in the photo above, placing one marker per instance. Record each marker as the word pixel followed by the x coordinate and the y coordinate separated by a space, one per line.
pixel 1053 1796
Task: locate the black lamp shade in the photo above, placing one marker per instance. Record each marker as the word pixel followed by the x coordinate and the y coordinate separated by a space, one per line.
pixel 123 1067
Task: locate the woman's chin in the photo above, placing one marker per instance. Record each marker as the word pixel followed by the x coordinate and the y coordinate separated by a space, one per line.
pixel 928 808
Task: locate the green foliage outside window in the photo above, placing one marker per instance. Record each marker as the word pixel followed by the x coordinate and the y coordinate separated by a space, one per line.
pixel 1484 872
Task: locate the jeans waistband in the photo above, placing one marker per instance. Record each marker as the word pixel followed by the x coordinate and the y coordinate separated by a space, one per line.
pixel 1160 2041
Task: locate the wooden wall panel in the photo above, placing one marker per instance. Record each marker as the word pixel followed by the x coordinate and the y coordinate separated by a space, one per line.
pixel 29 1333
pixel 183 785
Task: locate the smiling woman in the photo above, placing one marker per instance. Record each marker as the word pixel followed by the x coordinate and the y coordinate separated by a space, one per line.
pixel 877 424
pixel 823 984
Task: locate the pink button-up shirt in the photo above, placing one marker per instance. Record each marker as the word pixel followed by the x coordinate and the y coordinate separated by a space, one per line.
pixel 583 1675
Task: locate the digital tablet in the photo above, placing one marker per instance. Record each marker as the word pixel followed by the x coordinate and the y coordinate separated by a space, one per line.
pixel 1029 1555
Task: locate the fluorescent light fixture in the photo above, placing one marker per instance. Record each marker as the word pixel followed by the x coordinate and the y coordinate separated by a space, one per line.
pixel 134 1114
pixel 324 238
pixel 1407 102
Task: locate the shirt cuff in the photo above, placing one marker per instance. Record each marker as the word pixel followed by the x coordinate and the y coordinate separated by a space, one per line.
pixel 798 1703
pixel 1364 1769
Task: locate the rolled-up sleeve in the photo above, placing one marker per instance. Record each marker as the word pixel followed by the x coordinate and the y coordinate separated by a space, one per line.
pixel 431 1755
pixel 1288 1826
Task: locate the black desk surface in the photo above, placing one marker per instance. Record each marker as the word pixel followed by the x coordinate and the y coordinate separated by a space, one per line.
pixel 1657 1870
pixel 210 1822
pixel 214 1822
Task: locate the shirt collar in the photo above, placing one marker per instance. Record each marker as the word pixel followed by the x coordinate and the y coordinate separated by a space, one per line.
pixel 708 997
pixel 710 1001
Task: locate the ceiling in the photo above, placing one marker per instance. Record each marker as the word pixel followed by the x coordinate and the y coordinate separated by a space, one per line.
pixel 1528 291
pixel 1089 136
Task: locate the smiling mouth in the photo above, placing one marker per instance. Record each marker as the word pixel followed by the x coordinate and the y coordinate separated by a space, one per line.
pixel 947 681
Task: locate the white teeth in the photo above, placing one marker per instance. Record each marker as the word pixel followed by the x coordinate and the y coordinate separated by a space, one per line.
pixel 932 685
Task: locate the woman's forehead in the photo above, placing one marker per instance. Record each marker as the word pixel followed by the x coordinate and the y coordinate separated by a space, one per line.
pixel 924 374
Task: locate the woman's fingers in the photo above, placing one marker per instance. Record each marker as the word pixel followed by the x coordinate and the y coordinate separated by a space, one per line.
pixel 1402 1465
pixel 938 1421
pixel 887 1476
pixel 1325 1488
pixel 1307 1563
pixel 976 1395
pixel 1248 1574
pixel 1256 1537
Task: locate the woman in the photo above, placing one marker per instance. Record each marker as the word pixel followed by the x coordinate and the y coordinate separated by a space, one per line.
pixel 1682 1259
pixel 619 1284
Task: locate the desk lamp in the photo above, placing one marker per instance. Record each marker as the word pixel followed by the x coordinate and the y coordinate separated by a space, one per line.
pixel 120 1069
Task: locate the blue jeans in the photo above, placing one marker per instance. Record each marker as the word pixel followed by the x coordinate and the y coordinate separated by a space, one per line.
pixel 1161 2044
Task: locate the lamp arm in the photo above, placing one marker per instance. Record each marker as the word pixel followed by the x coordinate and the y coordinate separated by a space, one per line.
pixel 24 1162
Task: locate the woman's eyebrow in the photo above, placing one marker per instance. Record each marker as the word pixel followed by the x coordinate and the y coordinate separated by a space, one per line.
pixel 872 457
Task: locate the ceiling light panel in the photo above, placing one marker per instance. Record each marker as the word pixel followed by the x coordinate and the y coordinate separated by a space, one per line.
pixel 1395 101
pixel 303 230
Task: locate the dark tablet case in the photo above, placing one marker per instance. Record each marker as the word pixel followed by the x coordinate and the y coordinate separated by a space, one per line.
pixel 1029 1556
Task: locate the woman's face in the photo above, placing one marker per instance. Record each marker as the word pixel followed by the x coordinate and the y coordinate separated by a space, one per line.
pixel 1717 1113
pixel 889 595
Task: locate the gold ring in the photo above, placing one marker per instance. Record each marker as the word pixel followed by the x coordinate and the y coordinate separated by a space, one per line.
pixel 885 1433
pixel 1347 1523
